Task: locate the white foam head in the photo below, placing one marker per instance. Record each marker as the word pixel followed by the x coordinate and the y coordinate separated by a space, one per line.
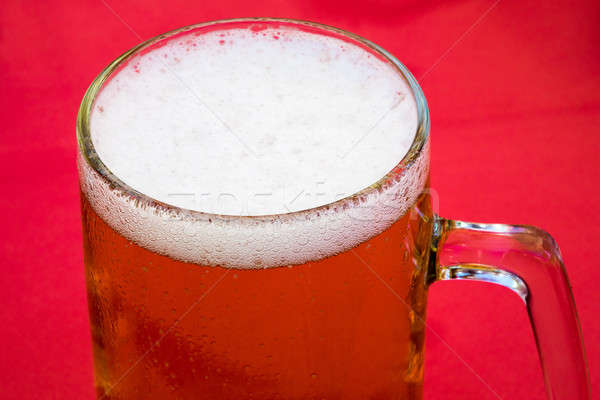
pixel 246 122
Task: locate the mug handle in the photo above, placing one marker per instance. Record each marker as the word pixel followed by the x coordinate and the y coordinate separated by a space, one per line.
pixel 526 260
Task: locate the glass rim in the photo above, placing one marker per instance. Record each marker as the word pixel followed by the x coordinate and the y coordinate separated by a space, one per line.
pixel 89 155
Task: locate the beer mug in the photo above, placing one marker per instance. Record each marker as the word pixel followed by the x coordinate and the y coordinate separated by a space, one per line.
pixel 325 300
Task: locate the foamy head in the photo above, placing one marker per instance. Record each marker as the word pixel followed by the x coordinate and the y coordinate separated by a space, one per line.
pixel 241 121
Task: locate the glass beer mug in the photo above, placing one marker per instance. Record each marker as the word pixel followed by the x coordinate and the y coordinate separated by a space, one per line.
pixel 326 300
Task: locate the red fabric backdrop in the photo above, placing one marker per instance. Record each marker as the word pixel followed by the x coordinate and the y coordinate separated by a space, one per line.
pixel 514 92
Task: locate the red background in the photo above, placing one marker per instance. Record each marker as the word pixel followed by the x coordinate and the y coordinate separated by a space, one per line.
pixel 514 93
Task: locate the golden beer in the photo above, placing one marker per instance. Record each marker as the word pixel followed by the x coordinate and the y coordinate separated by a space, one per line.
pixel 326 301
pixel 350 326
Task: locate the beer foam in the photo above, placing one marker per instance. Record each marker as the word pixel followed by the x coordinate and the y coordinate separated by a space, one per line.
pixel 264 123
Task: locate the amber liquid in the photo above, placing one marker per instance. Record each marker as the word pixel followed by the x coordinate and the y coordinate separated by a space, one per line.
pixel 349 326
